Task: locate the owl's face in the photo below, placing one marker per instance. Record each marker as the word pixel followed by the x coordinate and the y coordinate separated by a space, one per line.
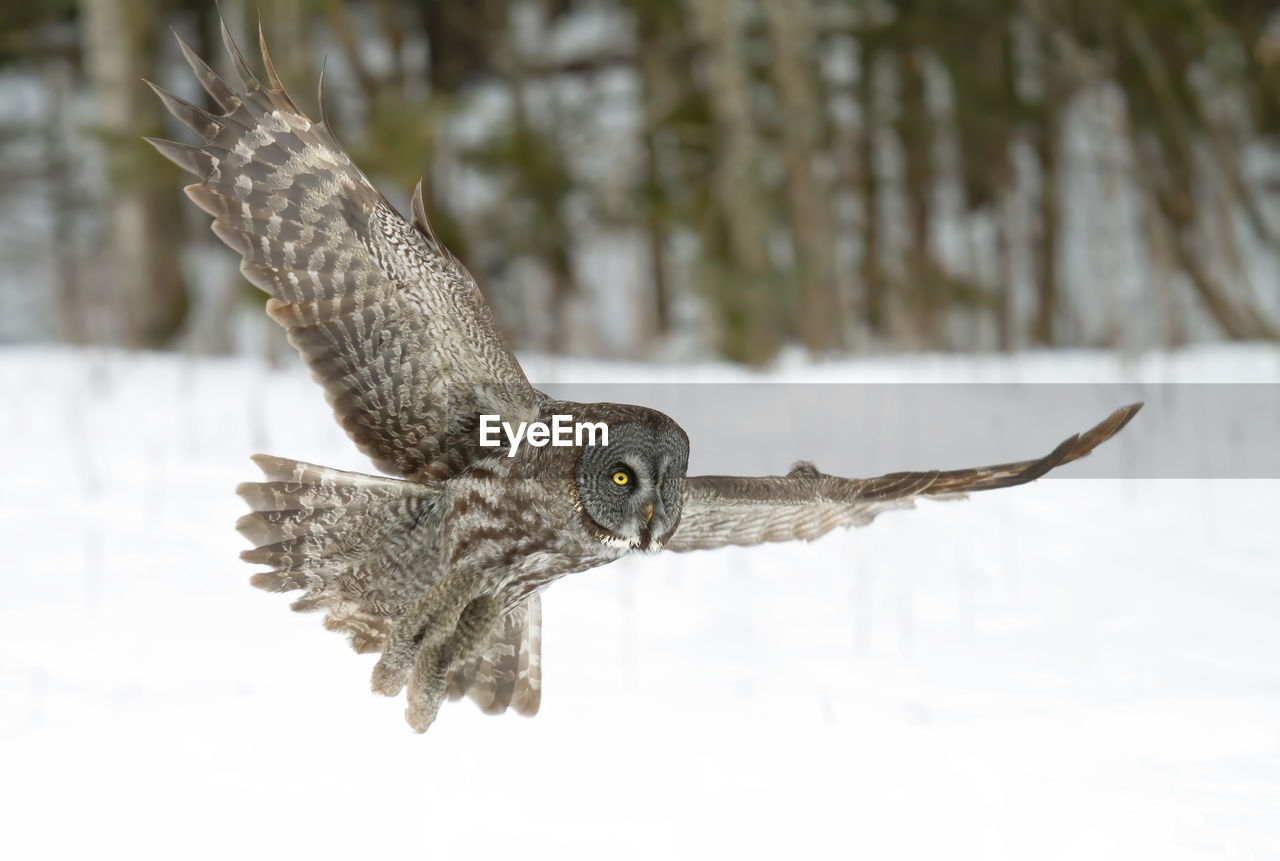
pixel 630 490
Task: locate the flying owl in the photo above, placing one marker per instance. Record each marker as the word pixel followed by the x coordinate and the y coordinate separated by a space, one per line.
pixel 439 569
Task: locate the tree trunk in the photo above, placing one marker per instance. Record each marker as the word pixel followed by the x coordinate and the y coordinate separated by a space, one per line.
pixel 818 321
pixel 656 88
pixel 554 241
pixel 461 40
pixel 74 310
pixel 873 285
pixel 736 165
pixel 141 215
pixel 1003 212
pixel 750 318
pixel 926 289
pixel 1047 145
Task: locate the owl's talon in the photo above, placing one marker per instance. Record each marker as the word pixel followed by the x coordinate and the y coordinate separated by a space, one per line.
pixel 388 680
pixel 425 697
pixel 421 716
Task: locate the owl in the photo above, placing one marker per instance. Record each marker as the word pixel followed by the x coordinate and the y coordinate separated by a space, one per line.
pixel 438 565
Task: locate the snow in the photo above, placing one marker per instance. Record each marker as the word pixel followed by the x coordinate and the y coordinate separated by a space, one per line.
pixel 1081 668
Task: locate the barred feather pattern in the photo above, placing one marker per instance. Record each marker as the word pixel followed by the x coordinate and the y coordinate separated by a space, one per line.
pixel 364 548
pixel 722 510
pixel 439 570
pixel 350 542
pixel 503 535
pixel 390 324
pixel 507 673
pixel 439 573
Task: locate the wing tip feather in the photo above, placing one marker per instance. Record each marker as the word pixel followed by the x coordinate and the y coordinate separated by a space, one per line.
pixel 195 118
pixel 272 78
pixel 217 88
pixel 192 159
pixel 210 201
pixel 1085 443
pixel 247 78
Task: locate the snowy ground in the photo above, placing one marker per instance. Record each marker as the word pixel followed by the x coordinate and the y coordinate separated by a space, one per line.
pixel 1083 668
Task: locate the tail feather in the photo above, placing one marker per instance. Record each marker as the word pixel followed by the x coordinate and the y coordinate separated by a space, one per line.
pixel 507 672
pixel 292 495
pixel 300 557
pixel 287 581
pixel 368 631
pixel 326 533
pixel 330 538
pixel 270 527
pixel 320 528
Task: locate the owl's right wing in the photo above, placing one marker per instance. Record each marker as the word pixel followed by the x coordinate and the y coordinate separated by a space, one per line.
pixel 731 510
pixel 391 325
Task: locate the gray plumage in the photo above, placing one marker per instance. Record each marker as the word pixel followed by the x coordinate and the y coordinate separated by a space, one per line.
pixel 439 569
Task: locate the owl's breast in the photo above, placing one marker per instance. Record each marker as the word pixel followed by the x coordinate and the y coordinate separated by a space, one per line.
pixel 514 528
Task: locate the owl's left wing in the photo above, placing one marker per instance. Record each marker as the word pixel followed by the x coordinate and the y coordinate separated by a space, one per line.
pixel 804 504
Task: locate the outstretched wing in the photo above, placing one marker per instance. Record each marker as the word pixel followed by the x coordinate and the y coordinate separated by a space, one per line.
pixel 724 510
pixel 391 325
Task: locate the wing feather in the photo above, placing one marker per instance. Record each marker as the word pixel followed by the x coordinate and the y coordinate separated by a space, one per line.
pixel 805 504
pixel 390 324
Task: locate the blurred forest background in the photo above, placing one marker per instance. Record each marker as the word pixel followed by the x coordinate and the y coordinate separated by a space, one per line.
pixel 685 178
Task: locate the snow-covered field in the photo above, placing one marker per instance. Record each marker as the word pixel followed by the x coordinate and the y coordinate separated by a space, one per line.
pixel 1082 668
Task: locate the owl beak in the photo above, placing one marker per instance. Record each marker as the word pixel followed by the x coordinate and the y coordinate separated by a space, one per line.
pixel 648 512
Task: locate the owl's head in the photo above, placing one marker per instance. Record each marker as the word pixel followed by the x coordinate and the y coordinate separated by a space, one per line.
pixel 630 490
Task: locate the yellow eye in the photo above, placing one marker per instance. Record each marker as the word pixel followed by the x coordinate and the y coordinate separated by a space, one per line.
pixel 621 478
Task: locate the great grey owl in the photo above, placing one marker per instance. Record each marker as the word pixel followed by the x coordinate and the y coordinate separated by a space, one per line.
pixel 439 569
